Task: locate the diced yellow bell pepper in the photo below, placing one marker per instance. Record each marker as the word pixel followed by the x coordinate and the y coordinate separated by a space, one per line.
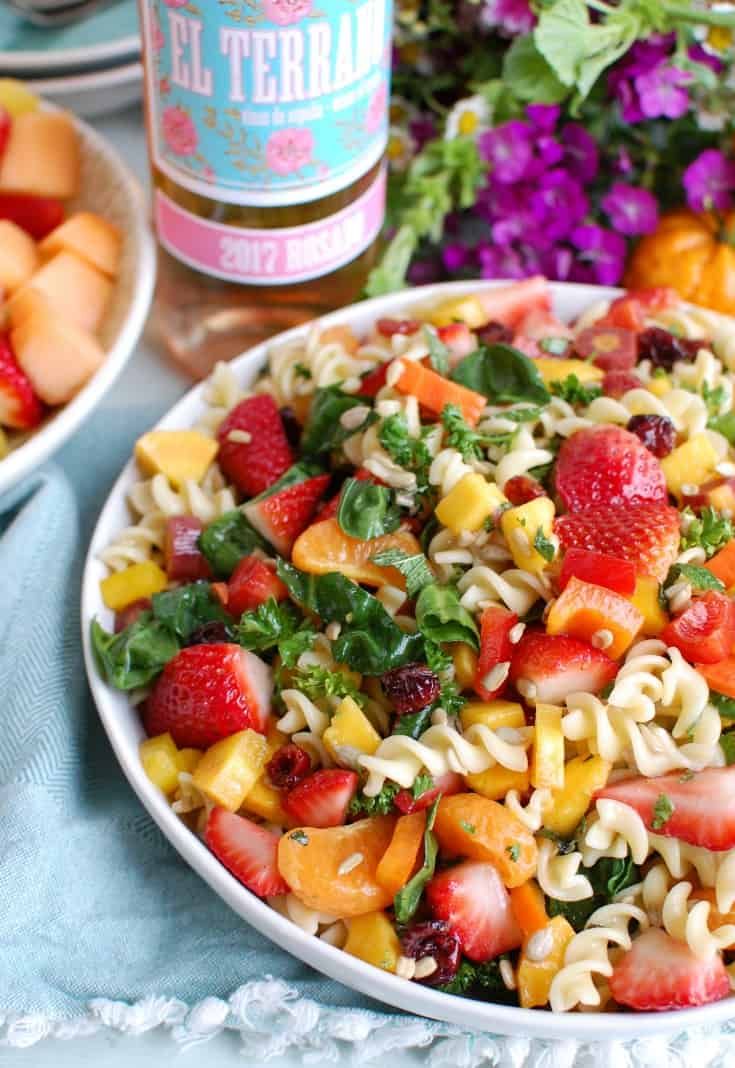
pixel 350 734
pixel 264 800
pixel 534 977
pixel 659 386
pixel 372 938
pixel 645 599
pixel 691 464
pixel 492 714
pixel 568 805
pixel 16 98
pixel 180 455
pixel 467 310
pixel 188 759
pixel 553 369
pixel 159 757
pixel 464 659
pixel 134 583
pixel 521 526
pixel 495 782
pixel 230 768
pixel 469 503
pixel 547 765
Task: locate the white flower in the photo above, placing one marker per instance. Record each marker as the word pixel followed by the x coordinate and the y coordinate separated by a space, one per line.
pixel 468 118
pixel 401 148
pixel 402 111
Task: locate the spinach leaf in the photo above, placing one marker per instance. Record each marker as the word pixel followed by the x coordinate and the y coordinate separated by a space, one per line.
pixel 413 724
pixel 408 897
pixel 367 510
pixel 503 374
pixel 225 541
pixel 725 425
pixel 441 618
pixel 136 655
pixel 369 641
pixel 608 876
pixel 438 351
pixel 323 431
pixel 186 608
pixel 415 568
pixel 724 705
pixel 269 624
pixel 727 745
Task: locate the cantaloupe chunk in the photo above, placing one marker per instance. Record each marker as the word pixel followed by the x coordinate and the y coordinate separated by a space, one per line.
pixel 57 356
pixel 16 98
pixel 18 256
pixel 74 289
pixel 90 237
pixel 42 156
pixel 24 302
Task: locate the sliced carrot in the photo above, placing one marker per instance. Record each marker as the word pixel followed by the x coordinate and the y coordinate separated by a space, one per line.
pixel 399 861
pixel 720 676
pixel 434 392
pixel 722 565
pixel 529 908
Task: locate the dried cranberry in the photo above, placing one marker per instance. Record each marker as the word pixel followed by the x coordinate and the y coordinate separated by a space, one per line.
pixel 494 333
pixel 288 766
pixel 291 426
pixel 411 687
pixel 664 349
pixel 523 488
pixel 389 327
pixel 434 939
pixel 657 433
pixel 211 633
pixel 616 383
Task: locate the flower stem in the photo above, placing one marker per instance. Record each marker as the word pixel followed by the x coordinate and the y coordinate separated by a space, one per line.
pixel 686 13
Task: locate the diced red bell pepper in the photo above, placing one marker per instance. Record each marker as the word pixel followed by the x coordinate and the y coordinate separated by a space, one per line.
pixel 704 632
pixel 601 569
pixel 373 381
pixel 38 216
pixel 183 559
pixel 252 583
pixel 495 648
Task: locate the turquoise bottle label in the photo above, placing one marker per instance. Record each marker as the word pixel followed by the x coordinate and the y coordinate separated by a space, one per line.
pixel 267 102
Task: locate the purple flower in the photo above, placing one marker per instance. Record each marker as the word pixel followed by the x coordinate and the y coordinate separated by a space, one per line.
pixel 423 272
pixel 455 257
pixel 422 129
pixel 624 92
pixel 602 254
pixel 631 210
pixel 623 164
pixel 580 152
pixel 558 262
pixel 700 55
pixel 544 116
pixel 558 203
pixel 498 262
pixel 647 54
pixel 509 17
pixel 710 181
pixel 661 92
pixel 508 149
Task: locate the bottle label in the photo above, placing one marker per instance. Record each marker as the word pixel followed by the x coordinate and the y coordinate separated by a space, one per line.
pixel 267 102
pixel 271 257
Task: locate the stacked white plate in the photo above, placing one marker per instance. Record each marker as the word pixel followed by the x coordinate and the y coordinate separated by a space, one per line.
pixel 92 66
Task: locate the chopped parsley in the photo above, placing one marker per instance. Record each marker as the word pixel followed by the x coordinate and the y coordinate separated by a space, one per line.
pixel 421 784
pixel 486 977
pixel 513 851
pixel 409 452
pixel 714 397
pixel 700 578
pixel 301 370
pixel 380 805
pixel 450 699
pixel 460 435
pixel 571 390
pixel 468 827
pixel 710 530
pixel 544 546
pixel 662 812
pixel 300 836
pixel 316 681
pixel 414 568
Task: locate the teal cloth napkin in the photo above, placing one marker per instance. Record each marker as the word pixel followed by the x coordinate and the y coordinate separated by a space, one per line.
pixel 101 923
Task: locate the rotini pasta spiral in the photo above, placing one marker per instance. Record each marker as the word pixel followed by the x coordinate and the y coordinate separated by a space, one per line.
pixel 531 814
pixel 524 454
pixel 326 362
pixel 558 874
pixel 516 589
pixel 222 392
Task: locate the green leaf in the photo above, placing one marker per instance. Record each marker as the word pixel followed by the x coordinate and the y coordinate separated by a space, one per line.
pixel 699 577
pixel 186 608
pixel 711 530
pixel 471 980
pixel 225 541
pixel 407 451
pixel 724 424
pixel 503 374
pixel 268 624
pixel 438 351
pixel 414 568
pixel 608 876
pixel 367 510
pixel 369 641
pixel 530 77
pixel 663 810
pixel 724 705
pixel 380 805
pixel 543 546
pixel 293 645
pixel 136 655
pixel 316 681
pixel 441 618
pixel 408 897
pixel 727 745
pixel 605 45
pixel 324 431
pixel 571 390
pixel 413 724
pixel 460 435
pixel 561 37
pixel 421 784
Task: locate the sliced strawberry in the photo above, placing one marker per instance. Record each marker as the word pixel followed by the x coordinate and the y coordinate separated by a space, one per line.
pixel 630 311
pixel 331 507
pixel 599 568
pixel 540 324
pixel 252 583
pixel 699 809
pixel 607 465
pixel 286 509
pixel 448 783
pixel 523 488
pixel 510 304
pixel 647 535
pixel 617 383
pixel 38 216
pixel 471 899
pixel 20 408
pixel 705 631
pixel 459 339
pixel 207 692
pixel 322 798
pixel 5 124
pixel 256 464
pixel 250 852
pixel 495 648
pixel 610 347
pixel 659 973
pixel 183 560
pixel 548 667
pixel 373 381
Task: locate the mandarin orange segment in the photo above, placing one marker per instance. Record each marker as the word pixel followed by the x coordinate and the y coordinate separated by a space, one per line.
pixel 597 615
pixel 333 869
pixel 468 825
pixel 400 859
pixel 324 547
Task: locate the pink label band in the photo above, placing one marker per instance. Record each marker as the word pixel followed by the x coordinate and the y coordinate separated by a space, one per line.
pixel 272 257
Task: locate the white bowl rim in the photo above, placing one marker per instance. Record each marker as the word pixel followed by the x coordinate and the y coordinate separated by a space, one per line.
pixel 23 460
pixel 393 992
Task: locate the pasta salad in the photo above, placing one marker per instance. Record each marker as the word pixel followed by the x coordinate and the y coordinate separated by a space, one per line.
pixel 431 635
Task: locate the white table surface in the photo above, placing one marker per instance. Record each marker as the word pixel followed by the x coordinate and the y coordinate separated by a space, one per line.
pixel 150 377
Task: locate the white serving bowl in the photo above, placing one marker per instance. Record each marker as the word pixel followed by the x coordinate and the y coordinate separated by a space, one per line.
pixel 125 732
pixel 107 187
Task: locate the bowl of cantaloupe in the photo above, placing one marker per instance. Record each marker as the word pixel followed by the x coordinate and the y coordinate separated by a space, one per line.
pixel 77 269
